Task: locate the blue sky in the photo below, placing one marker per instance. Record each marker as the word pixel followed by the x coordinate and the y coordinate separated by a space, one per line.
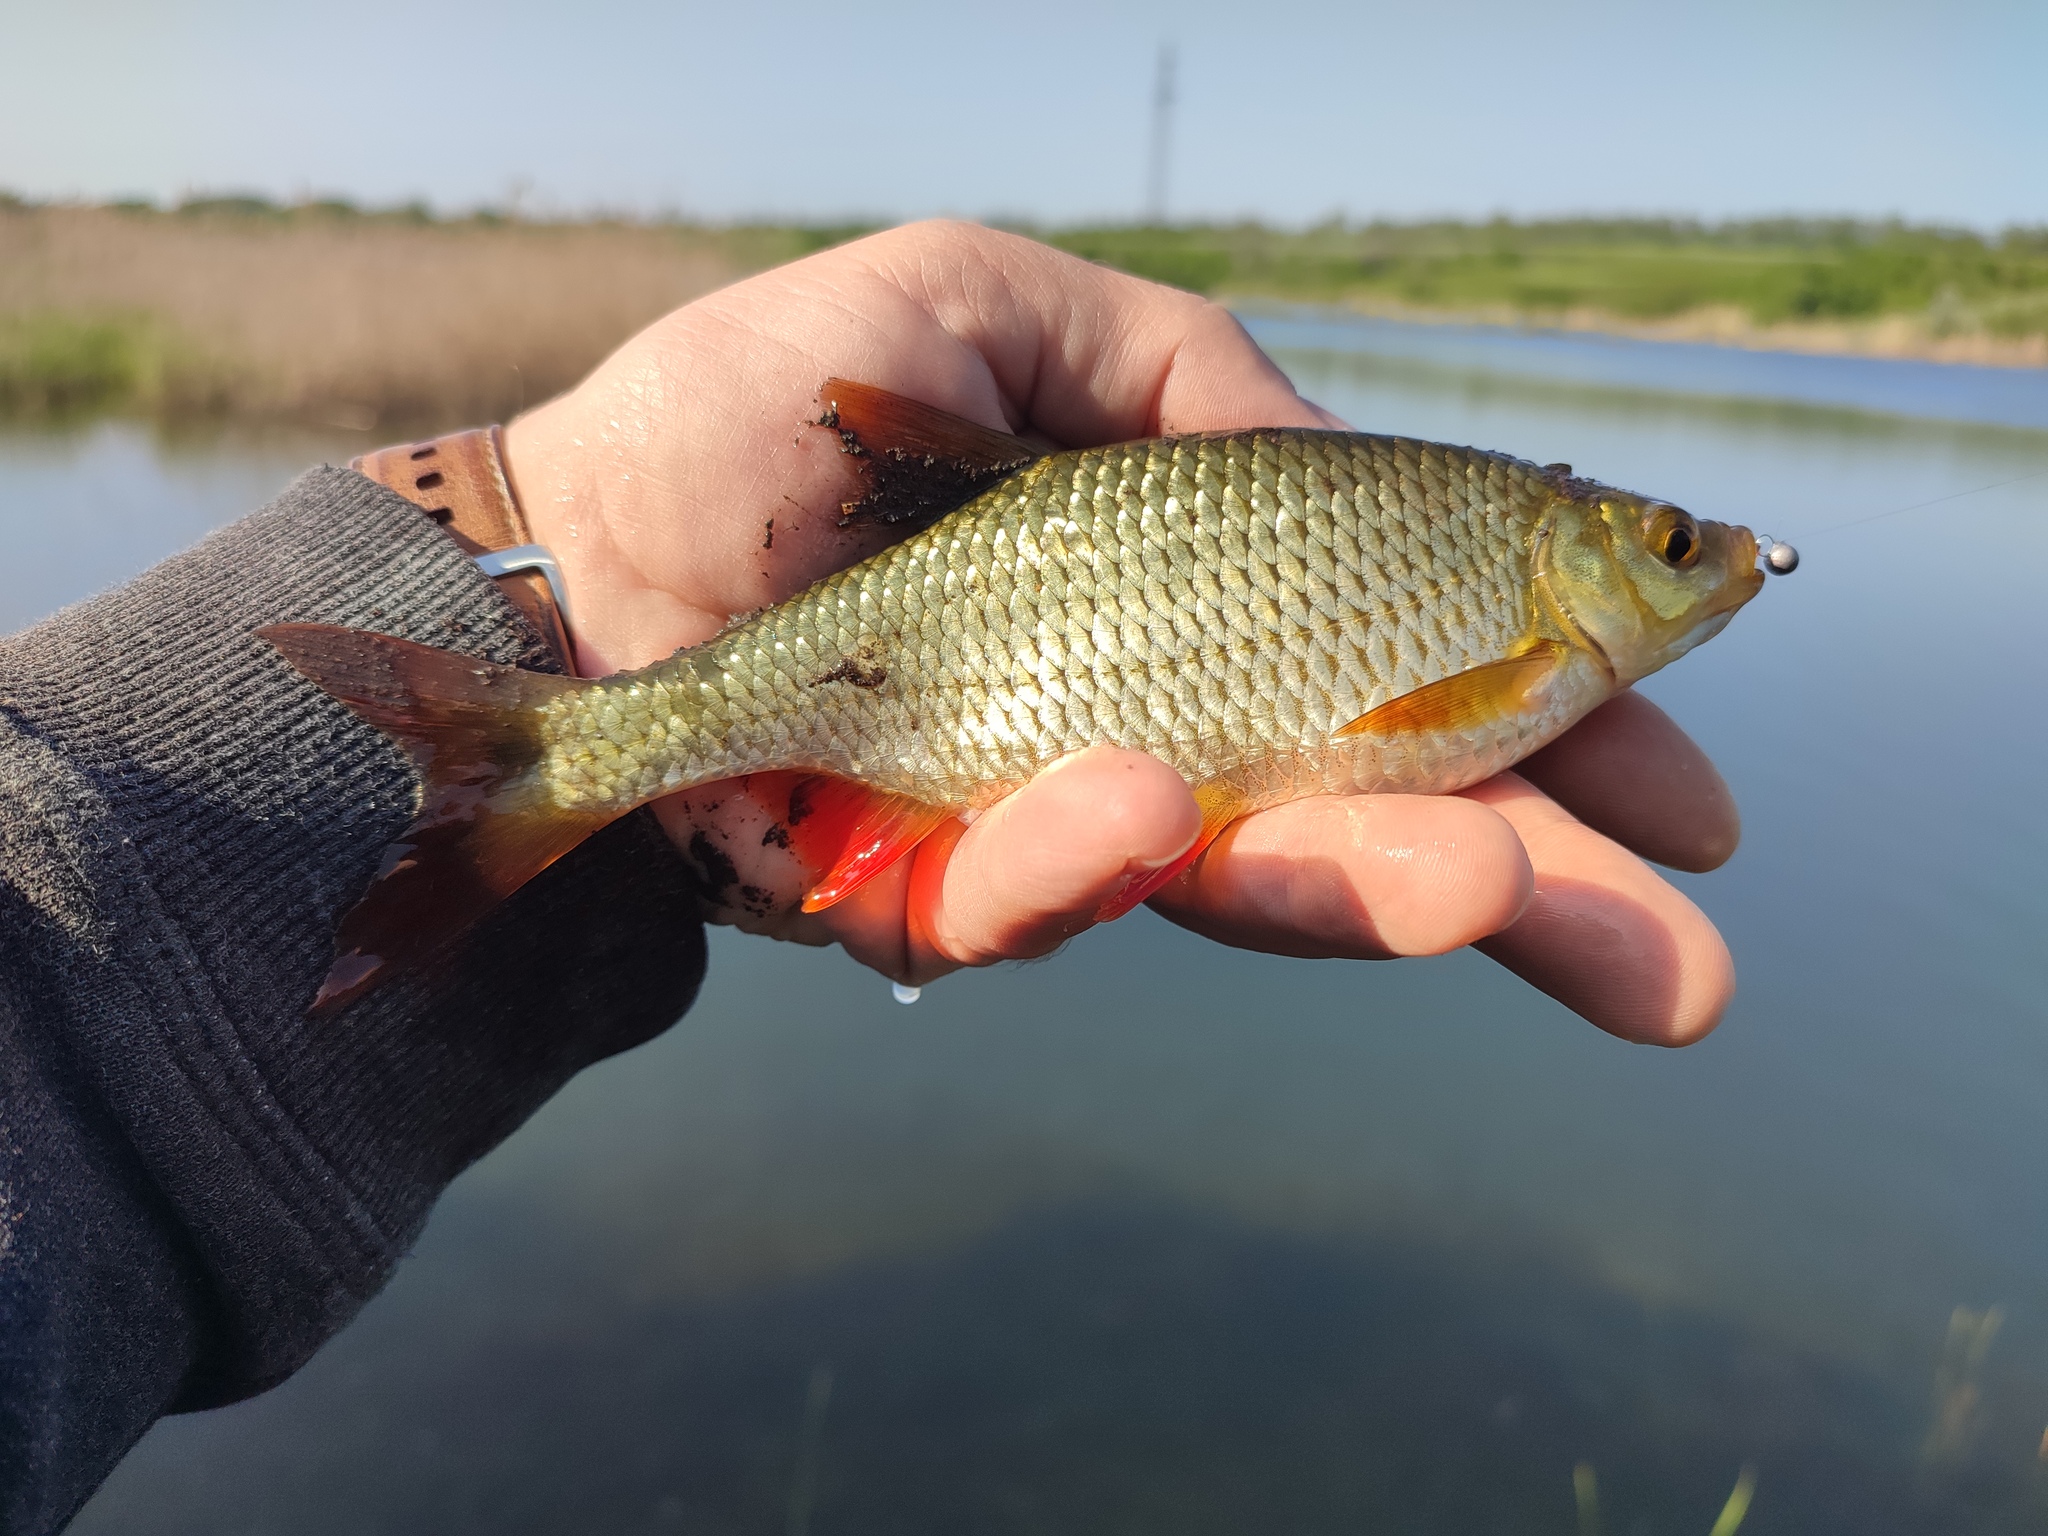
pixel 1288 111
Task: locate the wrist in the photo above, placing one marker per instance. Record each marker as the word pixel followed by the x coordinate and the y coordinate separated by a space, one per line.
pixel 458 481
pixel 587 472
pixel 548 468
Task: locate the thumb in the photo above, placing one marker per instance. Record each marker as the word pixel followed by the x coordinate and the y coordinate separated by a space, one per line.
pixel 1033 870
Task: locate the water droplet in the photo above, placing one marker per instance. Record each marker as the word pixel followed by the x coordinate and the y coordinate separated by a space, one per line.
pixel 905 995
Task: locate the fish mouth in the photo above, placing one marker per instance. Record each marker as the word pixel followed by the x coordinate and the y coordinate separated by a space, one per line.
pixel 1745 573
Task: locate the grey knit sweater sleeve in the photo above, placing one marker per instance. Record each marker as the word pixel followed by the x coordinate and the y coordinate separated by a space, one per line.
pixel 198 1184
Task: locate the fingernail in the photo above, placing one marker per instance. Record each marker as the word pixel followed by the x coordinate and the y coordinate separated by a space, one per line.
pixel 1139 868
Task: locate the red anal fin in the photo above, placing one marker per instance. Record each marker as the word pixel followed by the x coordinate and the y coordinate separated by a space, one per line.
pixel 919 462
pixel 815 813
pixel 1478 696
pixel 850 831
pixel 1221 804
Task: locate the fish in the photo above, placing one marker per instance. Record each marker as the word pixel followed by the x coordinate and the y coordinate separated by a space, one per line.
pixel 1274 613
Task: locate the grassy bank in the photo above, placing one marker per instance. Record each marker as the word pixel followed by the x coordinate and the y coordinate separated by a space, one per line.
pixel 1884 289
pixel 396 320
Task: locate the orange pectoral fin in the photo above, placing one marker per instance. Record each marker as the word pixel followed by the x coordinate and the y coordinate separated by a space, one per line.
pixel 853 833
pixel 1478 696
pixel 1221 804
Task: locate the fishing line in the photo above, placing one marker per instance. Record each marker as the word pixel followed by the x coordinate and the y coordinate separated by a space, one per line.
pixel 1874 517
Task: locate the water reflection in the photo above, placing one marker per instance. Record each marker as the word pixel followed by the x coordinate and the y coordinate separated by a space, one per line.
pixel 86 508
pixel 1723 376
pixel 1154 1234
pixel 1112 1365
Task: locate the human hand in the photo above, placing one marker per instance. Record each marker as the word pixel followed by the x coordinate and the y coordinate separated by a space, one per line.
pixel 677 487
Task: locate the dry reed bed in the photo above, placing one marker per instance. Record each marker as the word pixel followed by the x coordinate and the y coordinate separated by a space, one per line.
pixel 353 322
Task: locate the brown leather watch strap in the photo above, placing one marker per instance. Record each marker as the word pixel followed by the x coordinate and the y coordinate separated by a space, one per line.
pixel 459 481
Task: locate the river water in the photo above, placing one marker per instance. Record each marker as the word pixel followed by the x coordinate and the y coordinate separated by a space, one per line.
pixel 1158 1236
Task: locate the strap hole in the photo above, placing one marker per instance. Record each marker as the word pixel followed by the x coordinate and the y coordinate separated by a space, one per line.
pixel 426 452
pixel 427 482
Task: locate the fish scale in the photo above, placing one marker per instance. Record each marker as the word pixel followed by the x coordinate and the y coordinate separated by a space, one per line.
pixel 1224 603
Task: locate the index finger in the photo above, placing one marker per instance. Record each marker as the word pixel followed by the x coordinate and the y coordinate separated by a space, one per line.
pixel 1603 934
pixel 1627 770
pixel 1082 353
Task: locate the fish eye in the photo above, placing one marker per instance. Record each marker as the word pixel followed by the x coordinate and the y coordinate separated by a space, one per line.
pixel 1673 536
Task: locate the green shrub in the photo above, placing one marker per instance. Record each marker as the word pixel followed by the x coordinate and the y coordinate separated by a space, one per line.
pixel 58 364
pixel 1643 269
pixel 231 205
pixel 1183 259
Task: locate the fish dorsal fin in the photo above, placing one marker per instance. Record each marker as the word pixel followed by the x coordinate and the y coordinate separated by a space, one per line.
pixel 919 462
pixel 885 422
pixel 1479 696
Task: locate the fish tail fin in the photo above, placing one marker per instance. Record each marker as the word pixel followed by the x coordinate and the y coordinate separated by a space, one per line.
pixel 486 823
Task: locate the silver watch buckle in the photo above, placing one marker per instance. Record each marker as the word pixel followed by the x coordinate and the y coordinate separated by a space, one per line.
pixel 530 557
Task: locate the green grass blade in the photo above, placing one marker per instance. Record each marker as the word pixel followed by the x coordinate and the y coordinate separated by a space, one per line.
pixel 1586 1492
pixel 1737 1507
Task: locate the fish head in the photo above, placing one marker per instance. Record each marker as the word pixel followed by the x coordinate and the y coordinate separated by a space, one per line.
pixel 1643 580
